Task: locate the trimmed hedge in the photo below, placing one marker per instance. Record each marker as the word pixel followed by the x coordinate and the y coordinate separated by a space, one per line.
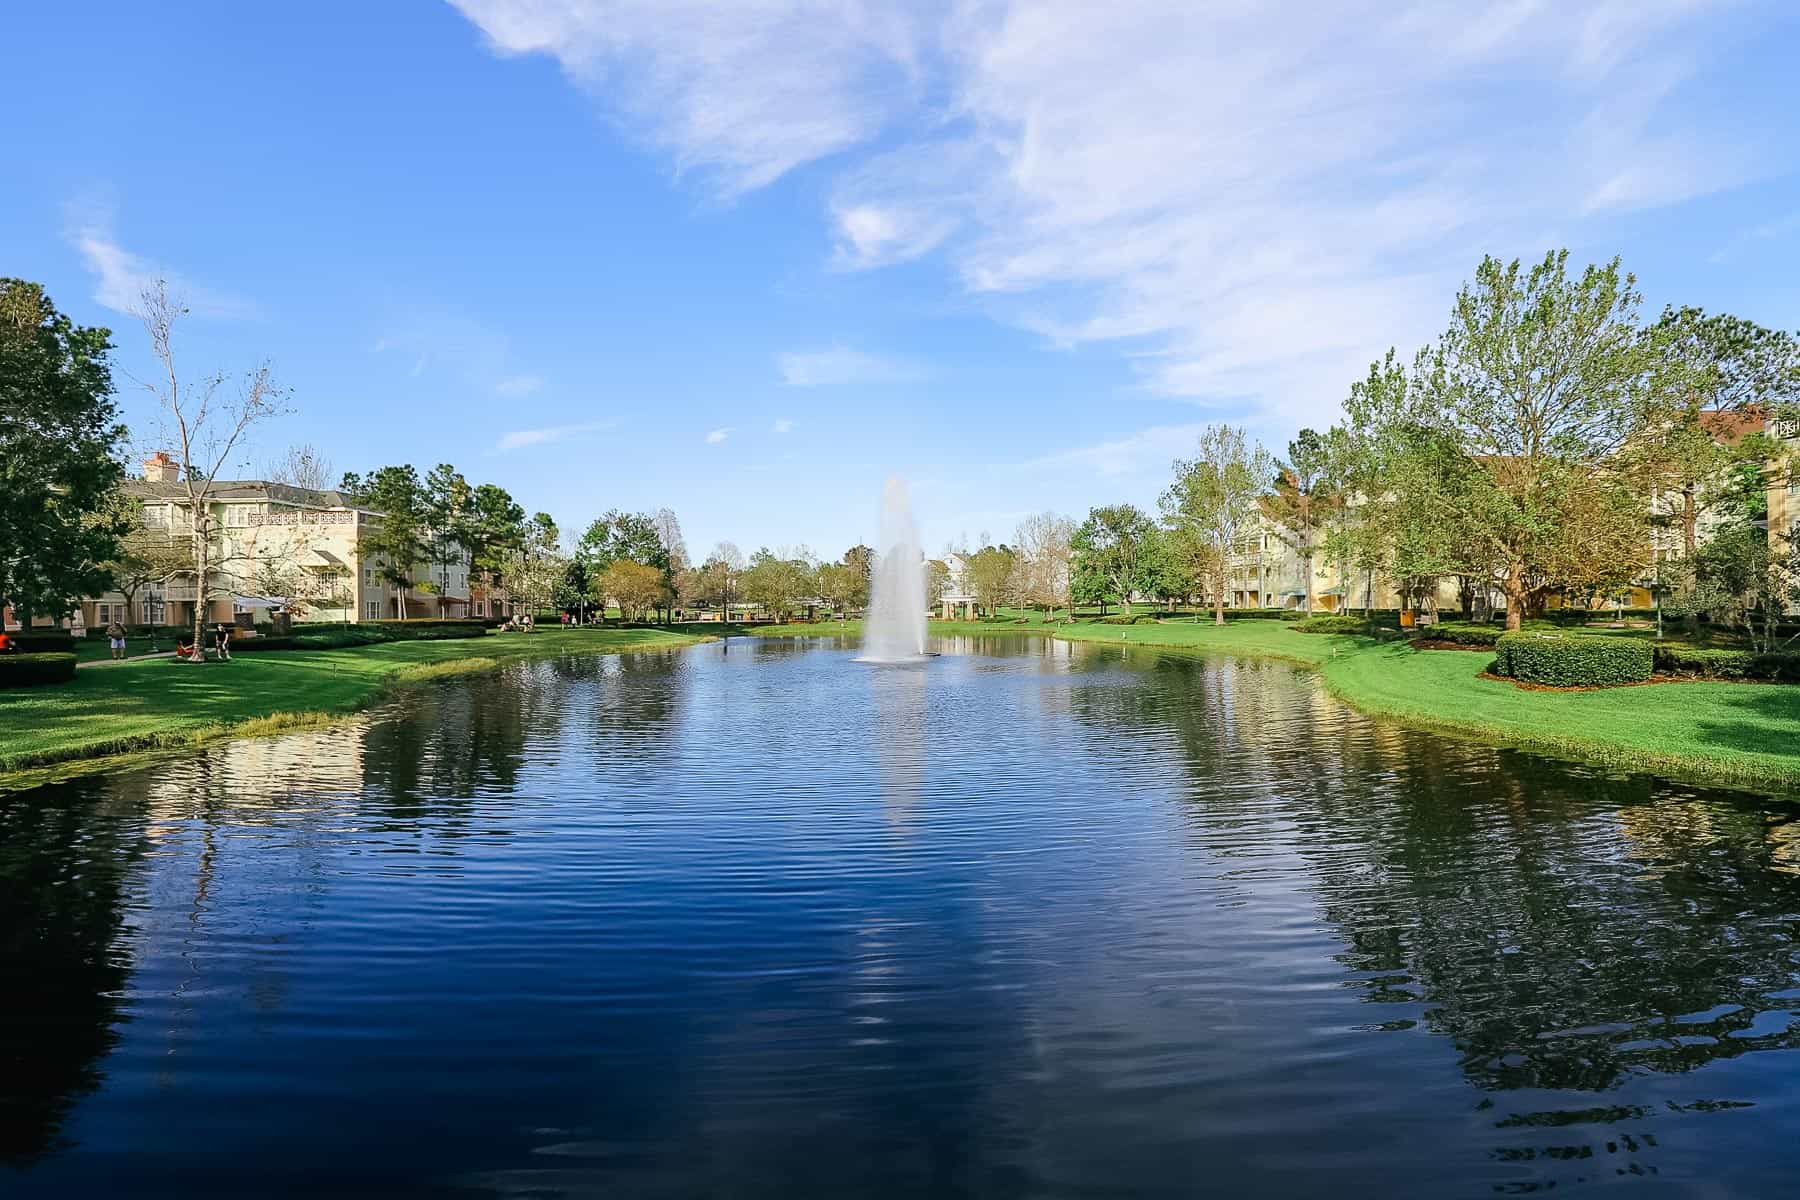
pixel 371 633
pixel 1712 663
pixel 1331 624
pixel 31 670
pixel 43 641
pixel 1573 659
pixel 1460 634
pixel 165 632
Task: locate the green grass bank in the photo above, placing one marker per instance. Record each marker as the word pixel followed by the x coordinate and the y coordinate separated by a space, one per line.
pixel 1745 734
pixel 157 703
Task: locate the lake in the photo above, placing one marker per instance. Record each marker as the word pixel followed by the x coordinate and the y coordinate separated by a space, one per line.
pixel 752 919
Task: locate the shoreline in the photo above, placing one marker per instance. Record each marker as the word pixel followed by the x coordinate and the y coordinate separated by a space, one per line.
pixel 403 665
pixel 1416 689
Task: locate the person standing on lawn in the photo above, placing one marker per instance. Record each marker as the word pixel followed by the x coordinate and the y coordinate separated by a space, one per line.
pixel 115 638
pixel 223 641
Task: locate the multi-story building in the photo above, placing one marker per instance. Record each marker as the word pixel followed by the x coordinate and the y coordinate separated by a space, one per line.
pixel 278 546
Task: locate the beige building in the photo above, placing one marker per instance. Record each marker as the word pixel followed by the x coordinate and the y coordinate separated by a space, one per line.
pixel 282 547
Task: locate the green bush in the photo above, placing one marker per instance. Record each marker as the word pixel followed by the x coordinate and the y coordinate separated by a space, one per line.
pixel 1331 624
pixel 369 633
pixel 1716 663
pixel 30 670
pixel 1572 659
pixel 1458 633
pixel 43 641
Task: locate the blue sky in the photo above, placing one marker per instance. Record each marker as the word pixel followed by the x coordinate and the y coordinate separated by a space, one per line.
pixel 746 259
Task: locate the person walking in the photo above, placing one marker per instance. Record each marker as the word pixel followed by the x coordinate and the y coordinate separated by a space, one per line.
pixel 115 638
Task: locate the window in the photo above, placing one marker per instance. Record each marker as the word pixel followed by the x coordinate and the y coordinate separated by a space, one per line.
pixel 156 516
pixel 372 610
pixel 153 611
pixel 237 516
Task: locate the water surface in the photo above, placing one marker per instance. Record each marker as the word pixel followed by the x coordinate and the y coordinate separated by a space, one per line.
pixel 1030 919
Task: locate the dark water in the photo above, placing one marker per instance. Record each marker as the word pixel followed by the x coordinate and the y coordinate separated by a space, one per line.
pixel 758 921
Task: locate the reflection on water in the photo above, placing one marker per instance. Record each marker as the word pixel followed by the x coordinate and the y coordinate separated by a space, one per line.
pixel 1026 919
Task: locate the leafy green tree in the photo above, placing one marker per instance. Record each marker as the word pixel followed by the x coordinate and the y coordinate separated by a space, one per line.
pixel 398 539
pixel 989 576
pixel 1108 554
pixel 777 584
pixel 1301 503
pixel 495 528
pixel 843 586
pixel 59 444
pixel 1215 499
pixel 1750 585
pixel 1539 382
pixel 449 504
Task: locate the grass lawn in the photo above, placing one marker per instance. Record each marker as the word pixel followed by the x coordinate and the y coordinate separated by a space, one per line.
pixel 157 702
pixel 1722 732
pixel 1730 733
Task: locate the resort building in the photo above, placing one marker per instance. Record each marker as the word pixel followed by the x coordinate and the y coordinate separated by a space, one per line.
pixel 957 600
pixel 279 547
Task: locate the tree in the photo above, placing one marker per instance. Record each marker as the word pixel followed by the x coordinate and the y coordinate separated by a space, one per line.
pixel 206 426
pixel 59 441
pixel 1214 499
pixel 668 533
pixel 146 555
pixel 1044 548
pixel 989 575
pixel 534 569
pixel 862 559
pixel 719 576
pixel 1749 585
pixel 777 584
pixel 1301 503
pixel 398 539
pixel 843 586
pixel 1106 551
pixel 1538 383
pixel 302 466
pixel 638 587
pixel 633 536
pixel 449 504
pixel 1696 452
pixel 495 528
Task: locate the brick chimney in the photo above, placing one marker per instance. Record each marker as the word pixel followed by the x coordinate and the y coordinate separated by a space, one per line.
pixel 161 468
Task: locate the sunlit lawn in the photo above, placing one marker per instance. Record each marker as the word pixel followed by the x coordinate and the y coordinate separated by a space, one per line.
pixel 161 702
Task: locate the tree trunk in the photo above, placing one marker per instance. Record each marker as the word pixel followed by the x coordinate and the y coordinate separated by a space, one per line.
pixel 1219 598
pixel 1690 520
pixel 202 560
pixel 1306 566
pixel 1515 597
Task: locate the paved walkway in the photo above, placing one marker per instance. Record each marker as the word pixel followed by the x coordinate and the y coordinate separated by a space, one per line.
pixel 113 662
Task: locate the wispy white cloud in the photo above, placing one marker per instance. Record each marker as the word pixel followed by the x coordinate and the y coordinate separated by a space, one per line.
pixel 519 385
pixel 741 92
pixel 519 439
pixel 839 365
pixel 1250 208
pixel 121 276
pixel 782 425
pixel 1148 451
pixel 719 435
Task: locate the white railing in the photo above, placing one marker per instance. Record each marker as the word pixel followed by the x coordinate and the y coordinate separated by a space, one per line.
pixel 303 517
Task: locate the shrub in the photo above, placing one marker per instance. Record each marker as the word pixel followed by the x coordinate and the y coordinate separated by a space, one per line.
pixel 1715 663
pixel 1479 636
pixel 369 633
pixel 30 670
pixel 1573 659
pixel 43 641
pixel 1331 624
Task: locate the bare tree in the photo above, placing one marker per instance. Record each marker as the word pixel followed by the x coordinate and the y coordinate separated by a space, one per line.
pixel 668 532
pixel 1043 549
pixel 302 466
pixel 205 423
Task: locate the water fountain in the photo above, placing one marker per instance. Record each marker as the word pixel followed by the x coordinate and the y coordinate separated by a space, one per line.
pixel 895 629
